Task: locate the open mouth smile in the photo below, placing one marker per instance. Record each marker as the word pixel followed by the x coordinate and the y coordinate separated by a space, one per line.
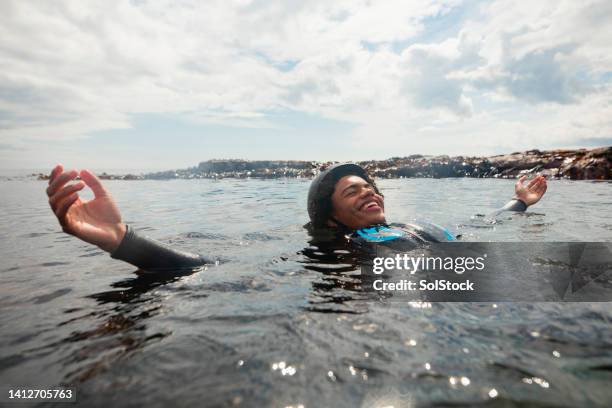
pixel 370 205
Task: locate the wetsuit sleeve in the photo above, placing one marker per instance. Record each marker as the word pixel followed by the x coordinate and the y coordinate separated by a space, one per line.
pixel 152 255
pixel 512 205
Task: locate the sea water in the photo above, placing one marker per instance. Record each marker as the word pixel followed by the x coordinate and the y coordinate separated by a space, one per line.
pixel 266 328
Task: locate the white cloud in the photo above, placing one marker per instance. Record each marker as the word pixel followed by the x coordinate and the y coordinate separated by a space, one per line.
pixel 514 74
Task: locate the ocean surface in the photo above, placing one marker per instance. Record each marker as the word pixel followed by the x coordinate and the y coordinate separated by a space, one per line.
pixel 265 328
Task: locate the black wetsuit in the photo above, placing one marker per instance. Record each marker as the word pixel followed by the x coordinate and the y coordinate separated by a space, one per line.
pixel 149 254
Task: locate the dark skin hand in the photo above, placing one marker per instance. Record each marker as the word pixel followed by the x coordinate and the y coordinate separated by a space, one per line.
pixel 531 193
pixel 96 221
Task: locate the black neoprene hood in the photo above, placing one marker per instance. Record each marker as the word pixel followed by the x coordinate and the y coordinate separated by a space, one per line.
pixel 322 188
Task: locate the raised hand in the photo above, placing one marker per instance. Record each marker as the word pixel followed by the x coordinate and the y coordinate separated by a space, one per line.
pixel 531 193
pixel 96 221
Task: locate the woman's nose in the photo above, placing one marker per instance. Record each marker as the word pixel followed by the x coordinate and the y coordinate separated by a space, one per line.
pixel 366 192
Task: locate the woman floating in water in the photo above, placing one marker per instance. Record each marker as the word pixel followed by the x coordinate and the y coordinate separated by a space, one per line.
pixel 342 201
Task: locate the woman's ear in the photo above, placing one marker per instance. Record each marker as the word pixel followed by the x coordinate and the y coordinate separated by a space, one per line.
pixel 331 223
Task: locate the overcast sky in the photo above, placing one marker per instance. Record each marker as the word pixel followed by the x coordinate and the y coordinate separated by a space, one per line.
pixel 164 84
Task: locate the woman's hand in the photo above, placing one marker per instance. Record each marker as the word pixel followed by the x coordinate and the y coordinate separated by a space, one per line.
pixel 96 221
pixel 531 193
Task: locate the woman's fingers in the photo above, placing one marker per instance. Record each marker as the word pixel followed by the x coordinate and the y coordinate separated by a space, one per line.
pixel 62 208
pixel 541 187
pixel 66 191
pixel 55 172
pixel 541 182
pixel 94 183
pixel 534 181
pixel 59 181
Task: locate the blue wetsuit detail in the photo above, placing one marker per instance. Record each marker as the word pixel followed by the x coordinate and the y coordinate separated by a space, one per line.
pixel 450 236
pixel 380 233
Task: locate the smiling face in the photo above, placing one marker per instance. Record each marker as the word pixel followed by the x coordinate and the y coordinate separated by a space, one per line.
pixel 356 203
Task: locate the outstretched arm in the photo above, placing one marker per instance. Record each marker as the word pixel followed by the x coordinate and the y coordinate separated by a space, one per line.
pixel 98 222
pixel 524 195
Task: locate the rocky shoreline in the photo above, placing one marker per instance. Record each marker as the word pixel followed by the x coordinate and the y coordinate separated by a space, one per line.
pixel 580 164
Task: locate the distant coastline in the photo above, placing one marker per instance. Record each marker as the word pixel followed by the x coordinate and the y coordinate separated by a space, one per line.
pixel 577 164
